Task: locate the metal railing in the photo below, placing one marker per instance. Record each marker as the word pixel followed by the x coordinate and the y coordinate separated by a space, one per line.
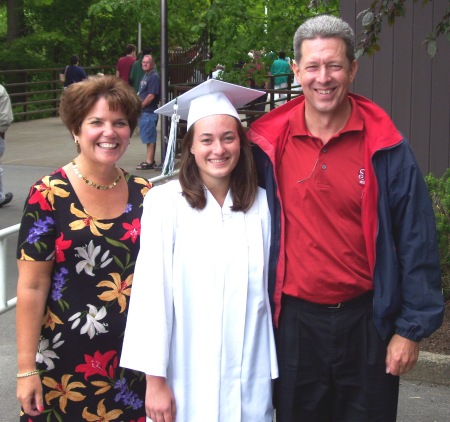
pixel 5 304
pixel 37 91
pixel 8 304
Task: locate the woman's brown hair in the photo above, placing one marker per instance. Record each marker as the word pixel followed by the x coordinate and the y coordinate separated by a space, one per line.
pixel 79 98
pixel 243 185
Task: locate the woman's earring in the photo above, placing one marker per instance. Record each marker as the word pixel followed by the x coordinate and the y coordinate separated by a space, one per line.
pixel 76 141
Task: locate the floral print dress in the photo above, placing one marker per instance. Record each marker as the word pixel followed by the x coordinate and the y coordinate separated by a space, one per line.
pixel 86 310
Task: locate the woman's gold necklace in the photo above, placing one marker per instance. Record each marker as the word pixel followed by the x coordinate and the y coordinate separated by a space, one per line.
pixel 92 184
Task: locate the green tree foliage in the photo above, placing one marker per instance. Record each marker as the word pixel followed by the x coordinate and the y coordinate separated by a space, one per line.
pixel 96 30
pixel 389 10
pixel 3 23
pixel 240 27
pixel 440 194
pixel 53 31
pixel 116 25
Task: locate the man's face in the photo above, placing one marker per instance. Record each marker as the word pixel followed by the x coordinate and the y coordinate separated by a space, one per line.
pixel 325 74
pixel 147 64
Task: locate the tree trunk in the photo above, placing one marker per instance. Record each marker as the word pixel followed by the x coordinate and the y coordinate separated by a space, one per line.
pixel 16 19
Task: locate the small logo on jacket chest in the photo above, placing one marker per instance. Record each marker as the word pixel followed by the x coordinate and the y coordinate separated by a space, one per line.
pixel 362 177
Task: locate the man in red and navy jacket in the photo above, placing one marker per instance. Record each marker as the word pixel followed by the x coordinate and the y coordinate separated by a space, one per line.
pixel 354 272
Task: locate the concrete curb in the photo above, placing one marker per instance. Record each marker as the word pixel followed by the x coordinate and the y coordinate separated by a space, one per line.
pixel 431 368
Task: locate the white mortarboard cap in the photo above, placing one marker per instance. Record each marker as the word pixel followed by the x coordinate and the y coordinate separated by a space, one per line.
pixel 210 98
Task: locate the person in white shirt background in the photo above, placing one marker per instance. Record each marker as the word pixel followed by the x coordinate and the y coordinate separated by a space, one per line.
pixel 6 118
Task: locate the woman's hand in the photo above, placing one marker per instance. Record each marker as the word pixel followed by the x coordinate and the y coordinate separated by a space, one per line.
pixel 159 400
pixel 29 394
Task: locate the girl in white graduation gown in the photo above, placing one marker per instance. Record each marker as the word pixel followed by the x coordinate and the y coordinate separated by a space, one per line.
pixel 199 323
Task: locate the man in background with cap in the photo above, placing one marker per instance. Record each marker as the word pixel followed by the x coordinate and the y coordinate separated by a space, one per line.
pixel 354 277
pixel 149 93
pixel 6 118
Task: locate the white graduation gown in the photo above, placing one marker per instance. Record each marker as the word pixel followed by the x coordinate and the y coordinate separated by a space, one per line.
pixel 199 312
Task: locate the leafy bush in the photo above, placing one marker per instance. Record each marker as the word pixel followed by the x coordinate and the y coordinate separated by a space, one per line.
pixel 440 194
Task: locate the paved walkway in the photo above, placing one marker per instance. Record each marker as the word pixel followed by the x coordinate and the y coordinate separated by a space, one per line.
pixel 36 148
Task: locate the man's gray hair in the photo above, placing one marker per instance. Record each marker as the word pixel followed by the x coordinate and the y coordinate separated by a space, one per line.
pixel 325 26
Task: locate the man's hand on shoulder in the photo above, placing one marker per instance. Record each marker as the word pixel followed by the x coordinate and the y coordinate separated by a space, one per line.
pixel 402 355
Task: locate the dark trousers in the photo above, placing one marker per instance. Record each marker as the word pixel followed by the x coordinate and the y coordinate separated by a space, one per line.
pixel 332 364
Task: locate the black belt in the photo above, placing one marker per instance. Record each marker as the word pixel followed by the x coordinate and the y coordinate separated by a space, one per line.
pixel 2 135
pixel 355 302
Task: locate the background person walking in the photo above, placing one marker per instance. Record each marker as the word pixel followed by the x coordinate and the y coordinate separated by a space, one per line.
pixel 72 73
pixel 125 63
pixel 280 67
pixel 6 118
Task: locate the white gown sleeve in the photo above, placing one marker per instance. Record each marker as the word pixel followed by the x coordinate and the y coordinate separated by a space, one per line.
pixel 150 316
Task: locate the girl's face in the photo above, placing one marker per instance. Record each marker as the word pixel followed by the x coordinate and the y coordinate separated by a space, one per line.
pixel 216 146
pixel 104 134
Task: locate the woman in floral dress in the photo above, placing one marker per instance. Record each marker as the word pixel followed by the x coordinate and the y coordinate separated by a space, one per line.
pixel 77 247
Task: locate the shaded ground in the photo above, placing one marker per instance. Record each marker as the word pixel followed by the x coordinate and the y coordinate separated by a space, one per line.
pixel 439 341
